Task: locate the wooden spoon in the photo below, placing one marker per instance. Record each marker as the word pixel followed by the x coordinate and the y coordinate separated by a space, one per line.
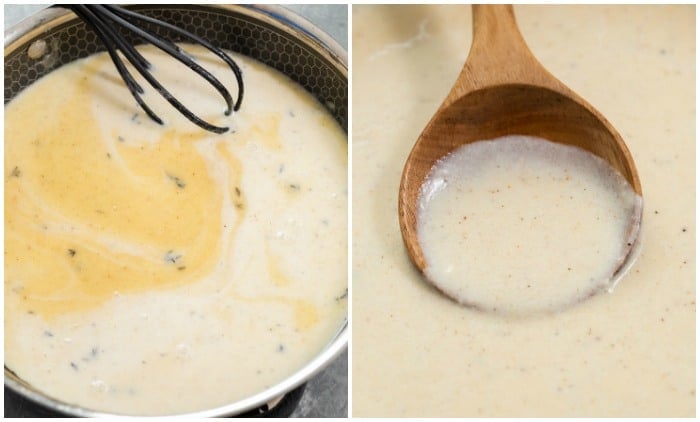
pixel 503 90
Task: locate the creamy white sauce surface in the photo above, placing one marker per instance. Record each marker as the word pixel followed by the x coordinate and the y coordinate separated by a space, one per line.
pixel 164 269
pixel 520 224
pixel 629 353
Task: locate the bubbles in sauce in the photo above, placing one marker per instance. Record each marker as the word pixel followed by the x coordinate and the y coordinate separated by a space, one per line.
pixel 520 224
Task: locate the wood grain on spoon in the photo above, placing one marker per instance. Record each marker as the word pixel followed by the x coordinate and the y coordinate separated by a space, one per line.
pixel 503 90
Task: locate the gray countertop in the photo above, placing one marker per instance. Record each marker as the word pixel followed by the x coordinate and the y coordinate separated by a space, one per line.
pixel 326 395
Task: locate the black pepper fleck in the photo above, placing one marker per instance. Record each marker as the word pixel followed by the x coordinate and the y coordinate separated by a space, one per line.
pixel 342 296
pixel 171 257
pixel 178 182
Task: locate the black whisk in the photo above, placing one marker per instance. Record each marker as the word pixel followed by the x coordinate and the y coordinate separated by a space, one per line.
pixel 106 20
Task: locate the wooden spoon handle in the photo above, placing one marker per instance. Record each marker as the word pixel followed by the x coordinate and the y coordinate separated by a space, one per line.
pixel 499 55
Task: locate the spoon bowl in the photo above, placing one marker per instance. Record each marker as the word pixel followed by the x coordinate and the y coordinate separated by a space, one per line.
pixel 503 90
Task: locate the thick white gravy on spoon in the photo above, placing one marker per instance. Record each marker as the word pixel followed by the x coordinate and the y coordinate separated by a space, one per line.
pixel 520 225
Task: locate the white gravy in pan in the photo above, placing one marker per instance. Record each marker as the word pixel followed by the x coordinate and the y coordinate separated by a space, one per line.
pixel 163 269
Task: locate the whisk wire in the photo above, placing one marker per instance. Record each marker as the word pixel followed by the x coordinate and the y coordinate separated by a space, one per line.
pixel 107 35
pixel 178 54
pixel 105 18
pixel 138 61
pixel 194 38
